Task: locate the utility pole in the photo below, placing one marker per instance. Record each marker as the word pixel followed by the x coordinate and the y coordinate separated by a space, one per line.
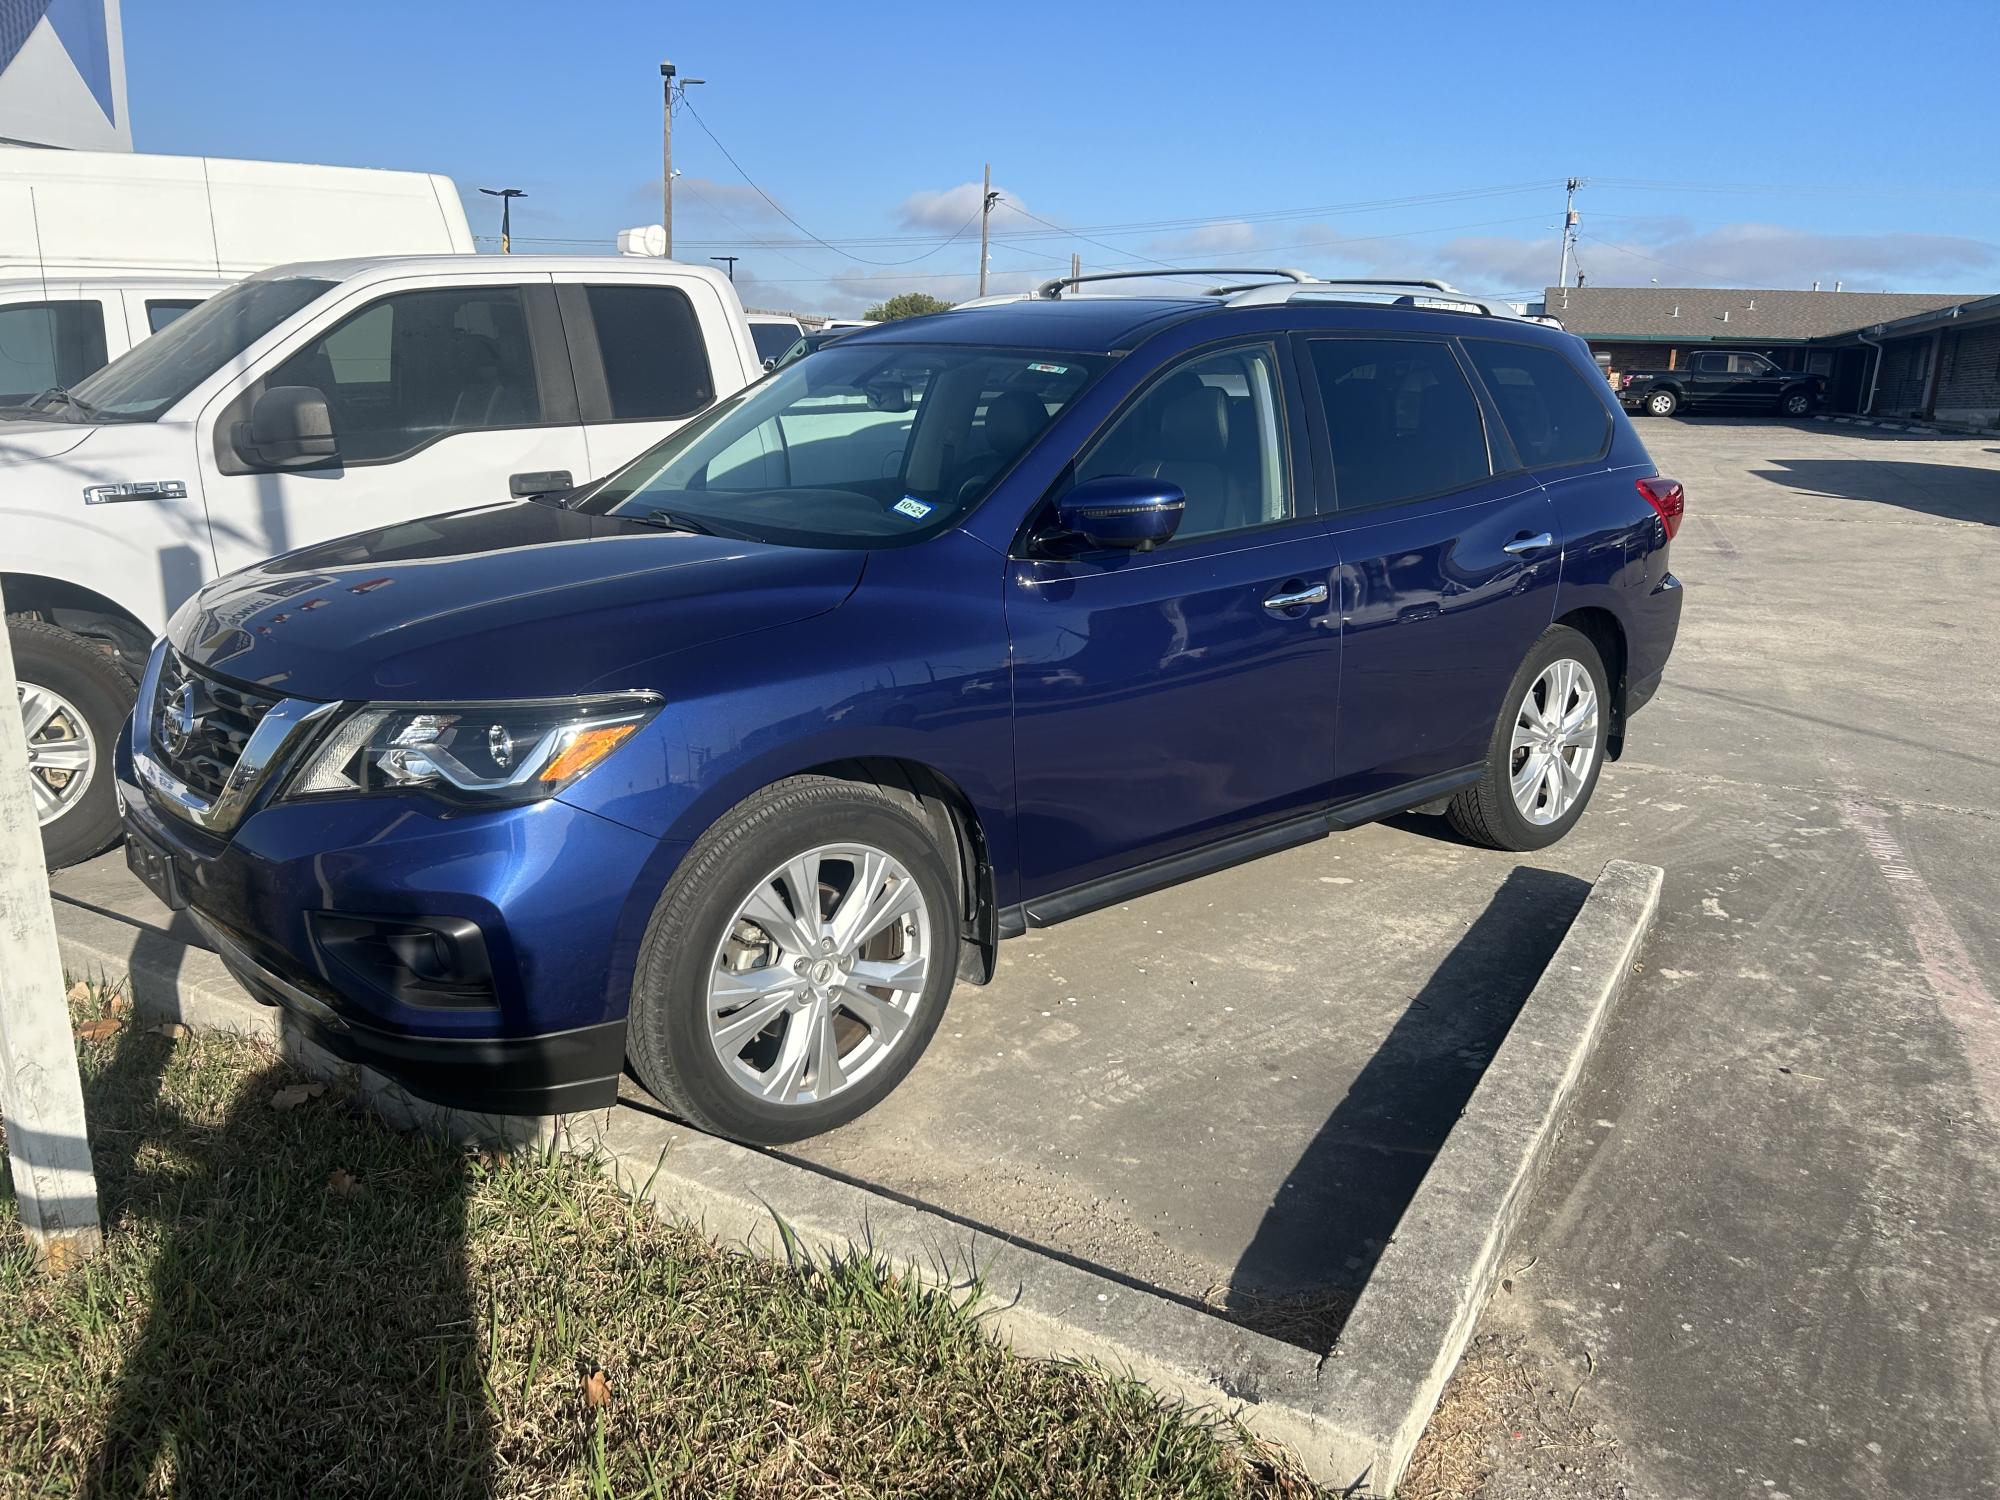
pixel 1075 266
pixel 506 197
pixel 987 198
pixel 732 259
pixel 41 1094
pixel 1569 236
pixel 668 88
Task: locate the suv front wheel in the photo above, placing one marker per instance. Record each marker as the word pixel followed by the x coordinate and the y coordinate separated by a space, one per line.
pixel 798 964
pixel 1547 749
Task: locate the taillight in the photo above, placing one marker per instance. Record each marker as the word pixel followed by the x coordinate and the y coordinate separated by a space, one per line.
pixel 1668 499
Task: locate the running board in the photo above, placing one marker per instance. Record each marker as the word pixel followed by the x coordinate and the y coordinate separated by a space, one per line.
pixel 1107 890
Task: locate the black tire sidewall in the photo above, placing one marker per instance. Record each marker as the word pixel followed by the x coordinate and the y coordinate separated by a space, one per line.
pixel 1673 403
pixel 1786 403
pixel 1559 642
pixel 102 692
pixel 670 986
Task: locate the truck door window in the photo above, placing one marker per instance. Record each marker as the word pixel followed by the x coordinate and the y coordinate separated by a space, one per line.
pixel 1749 364
pixel 655 361
pixel 45 344
pixel 418 366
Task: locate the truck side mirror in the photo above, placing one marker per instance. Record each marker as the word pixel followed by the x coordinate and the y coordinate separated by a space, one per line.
pixel 290 427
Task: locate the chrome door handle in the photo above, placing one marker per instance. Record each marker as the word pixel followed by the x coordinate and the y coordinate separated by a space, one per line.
pixel 1525 544
pixel 1314 595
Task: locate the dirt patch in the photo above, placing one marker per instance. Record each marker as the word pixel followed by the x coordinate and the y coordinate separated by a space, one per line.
pixel 1516 1425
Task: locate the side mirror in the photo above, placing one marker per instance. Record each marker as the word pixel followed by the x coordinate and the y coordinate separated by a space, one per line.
pixel 771 363
pixel 1123 510
pixel 290 427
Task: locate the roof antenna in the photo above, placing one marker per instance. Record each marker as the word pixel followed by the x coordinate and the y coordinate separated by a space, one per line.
pixel 42 265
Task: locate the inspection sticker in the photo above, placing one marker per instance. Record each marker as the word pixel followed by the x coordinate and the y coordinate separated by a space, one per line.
pixel 914 508
pixel 1041 369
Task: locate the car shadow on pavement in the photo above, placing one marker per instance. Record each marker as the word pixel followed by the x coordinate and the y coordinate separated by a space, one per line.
pixel 1339 1204
pixel 1956 492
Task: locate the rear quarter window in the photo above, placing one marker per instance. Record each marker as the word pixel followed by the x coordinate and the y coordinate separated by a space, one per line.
pixel 1553 414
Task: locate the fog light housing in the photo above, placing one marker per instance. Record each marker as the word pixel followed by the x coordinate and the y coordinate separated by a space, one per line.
pixel 435 962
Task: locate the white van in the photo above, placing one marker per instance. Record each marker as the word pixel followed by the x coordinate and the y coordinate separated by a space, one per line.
pixel 54 332
pixel 303 403
pixel 99 249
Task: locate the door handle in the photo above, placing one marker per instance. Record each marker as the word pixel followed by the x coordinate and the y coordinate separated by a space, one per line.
pixel 1314 595
pixel 1522 545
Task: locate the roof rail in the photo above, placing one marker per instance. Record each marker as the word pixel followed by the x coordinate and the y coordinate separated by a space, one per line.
pixel 1054 287
pixel 1434 295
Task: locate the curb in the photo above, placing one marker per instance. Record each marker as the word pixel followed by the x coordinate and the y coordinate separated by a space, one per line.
pixel 1353 1418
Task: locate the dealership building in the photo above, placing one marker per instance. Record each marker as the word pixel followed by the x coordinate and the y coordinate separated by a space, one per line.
pixel 1928 355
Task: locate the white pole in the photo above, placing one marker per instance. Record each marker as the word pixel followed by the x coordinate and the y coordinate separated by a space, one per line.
pixel 41 1094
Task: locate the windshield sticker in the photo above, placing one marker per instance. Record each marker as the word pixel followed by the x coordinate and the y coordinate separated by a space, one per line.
pixel 1042 369
pixel 914 508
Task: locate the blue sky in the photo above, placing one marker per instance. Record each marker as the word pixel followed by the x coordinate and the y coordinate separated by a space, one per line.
pixel 1724 144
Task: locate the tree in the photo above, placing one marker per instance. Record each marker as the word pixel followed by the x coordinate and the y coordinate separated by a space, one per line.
pixel 905 305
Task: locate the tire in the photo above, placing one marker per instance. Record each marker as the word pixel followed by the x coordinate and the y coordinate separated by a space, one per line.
pixel 724 947
pixel 1489 812
pixel 82 696
pixel 1796 403
pixel 1661 403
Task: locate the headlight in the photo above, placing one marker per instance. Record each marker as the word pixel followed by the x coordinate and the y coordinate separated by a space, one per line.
pixel 483 752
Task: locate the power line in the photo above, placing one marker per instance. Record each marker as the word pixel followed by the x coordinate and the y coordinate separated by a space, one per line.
pixel 695 114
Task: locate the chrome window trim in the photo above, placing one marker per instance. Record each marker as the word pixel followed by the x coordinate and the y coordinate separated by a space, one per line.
pixel 276 735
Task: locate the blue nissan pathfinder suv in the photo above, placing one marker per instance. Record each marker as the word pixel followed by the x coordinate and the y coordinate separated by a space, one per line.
pixel 731 765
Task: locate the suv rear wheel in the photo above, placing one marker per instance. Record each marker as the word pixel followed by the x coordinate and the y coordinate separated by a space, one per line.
pixel 73 699
pixel 1547 749
pixel 798 964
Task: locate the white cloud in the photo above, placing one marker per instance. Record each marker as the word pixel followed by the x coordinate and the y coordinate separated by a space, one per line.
pixel 947 209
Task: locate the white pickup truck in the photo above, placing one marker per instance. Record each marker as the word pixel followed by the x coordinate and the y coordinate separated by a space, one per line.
pixel 303 403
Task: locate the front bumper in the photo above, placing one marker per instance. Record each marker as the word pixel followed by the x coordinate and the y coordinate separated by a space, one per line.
pixel 550 898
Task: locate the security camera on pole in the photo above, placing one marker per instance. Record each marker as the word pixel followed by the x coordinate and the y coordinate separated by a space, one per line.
pixel 41 1094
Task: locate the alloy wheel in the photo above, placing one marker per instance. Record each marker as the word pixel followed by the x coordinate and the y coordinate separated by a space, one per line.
pixel 1555 741
pixel 819 974
pixel 62 752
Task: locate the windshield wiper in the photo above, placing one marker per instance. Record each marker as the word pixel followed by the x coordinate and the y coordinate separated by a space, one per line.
pixel 668 520
pixel 56 397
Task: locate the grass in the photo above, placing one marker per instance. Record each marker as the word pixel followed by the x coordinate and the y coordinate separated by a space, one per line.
pixel 301 1300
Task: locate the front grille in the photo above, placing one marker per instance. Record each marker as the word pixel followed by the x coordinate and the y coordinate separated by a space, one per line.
pixel 200 725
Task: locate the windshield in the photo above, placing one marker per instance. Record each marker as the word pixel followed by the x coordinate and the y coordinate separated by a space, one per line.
pixel 861 444
pixel 140 385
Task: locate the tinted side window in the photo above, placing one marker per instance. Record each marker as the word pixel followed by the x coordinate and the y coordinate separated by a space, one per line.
pixel 419 365
pixel 1400 418
pixel 1215 427
pixel 160 311
pixel 1551 411
pixel 48 343
pixel 655 363
pixel 1711 364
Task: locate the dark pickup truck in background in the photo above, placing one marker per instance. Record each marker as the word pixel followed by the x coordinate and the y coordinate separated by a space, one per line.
pixel 1720 380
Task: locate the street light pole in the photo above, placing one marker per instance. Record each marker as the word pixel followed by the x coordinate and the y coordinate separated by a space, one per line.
pixel 668 73
pixel 506 197
pixel 732 259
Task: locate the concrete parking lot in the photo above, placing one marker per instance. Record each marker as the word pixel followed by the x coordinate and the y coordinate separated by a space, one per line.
pixel 1767 1258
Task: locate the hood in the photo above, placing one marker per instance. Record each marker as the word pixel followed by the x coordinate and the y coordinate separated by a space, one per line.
pixel 511 601
pixel 23 441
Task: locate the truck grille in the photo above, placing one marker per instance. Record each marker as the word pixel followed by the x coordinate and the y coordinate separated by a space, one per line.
pixel 200 725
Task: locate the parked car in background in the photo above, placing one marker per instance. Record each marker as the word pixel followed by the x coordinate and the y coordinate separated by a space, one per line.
pixel 807 343
pixel 773 334
pixel 734 763
pixel 1722 380
pixel 301 403
pixel 55 332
